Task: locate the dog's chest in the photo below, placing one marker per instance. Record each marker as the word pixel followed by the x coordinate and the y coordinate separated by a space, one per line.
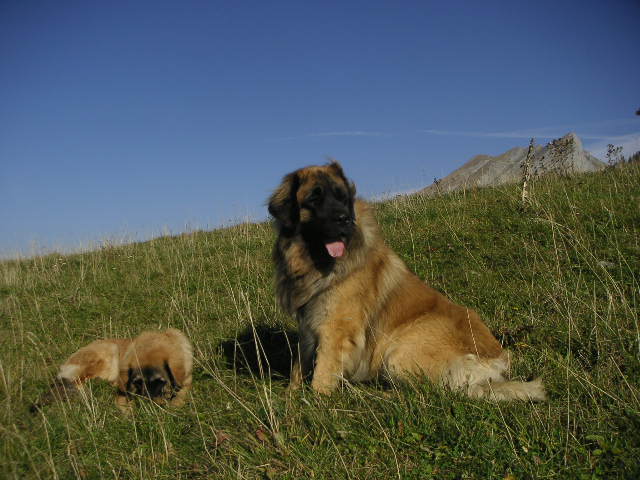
pixel 318 321
pixel 315 313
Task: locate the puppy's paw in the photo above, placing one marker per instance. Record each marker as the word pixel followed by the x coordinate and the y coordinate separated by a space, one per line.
pixel 323 387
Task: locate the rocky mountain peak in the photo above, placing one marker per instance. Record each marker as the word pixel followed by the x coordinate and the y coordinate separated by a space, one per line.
pixel 563 155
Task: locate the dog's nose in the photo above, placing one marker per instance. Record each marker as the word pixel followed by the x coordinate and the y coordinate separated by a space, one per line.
pixel 342 218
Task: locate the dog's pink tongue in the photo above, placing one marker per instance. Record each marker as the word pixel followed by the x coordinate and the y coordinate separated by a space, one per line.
pixel 335 249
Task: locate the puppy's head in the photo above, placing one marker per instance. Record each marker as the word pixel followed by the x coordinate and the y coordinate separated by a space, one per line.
pixel 316 202
pixel 150 381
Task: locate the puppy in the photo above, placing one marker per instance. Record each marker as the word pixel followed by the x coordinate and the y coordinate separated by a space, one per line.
pixel 156 365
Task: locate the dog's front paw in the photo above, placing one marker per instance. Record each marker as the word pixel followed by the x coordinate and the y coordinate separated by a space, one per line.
pixel 324 386
pixel 124 404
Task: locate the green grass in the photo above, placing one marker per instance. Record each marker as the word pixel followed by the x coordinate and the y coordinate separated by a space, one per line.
pixel 558 283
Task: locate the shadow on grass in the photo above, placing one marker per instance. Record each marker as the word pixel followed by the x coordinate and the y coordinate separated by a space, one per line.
pixel 262 352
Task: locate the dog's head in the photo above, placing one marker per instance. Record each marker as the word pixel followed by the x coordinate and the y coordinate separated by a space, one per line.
pixel 317 203
pixel 154 382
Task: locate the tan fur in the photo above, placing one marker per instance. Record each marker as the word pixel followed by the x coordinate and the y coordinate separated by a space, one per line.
pixel 99 359
pixel 114 359
pixel 155 350
pixel 369 314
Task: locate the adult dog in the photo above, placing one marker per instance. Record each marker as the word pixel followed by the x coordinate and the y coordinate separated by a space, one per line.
pixel 154 364
pixel 360 311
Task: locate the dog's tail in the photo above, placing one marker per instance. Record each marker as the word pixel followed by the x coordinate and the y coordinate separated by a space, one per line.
pixel 69 380
pixel 99 359
pixel 59 390
pixel 483 378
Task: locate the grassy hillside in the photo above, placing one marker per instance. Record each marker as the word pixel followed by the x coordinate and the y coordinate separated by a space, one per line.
pixel 557 283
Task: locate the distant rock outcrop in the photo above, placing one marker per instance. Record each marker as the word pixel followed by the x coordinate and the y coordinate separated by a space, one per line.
pixel 564 156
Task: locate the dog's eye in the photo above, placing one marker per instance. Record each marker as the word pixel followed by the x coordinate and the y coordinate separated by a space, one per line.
pixel 316 193
pixel 340 195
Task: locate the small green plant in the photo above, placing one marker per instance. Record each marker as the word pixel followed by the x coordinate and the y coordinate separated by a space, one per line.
pixel 614 155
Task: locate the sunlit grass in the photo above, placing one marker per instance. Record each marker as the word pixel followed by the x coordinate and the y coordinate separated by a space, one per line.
pixel 557 282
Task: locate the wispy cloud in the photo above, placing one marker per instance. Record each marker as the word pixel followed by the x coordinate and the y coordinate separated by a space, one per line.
pixel 630 144
pixel 353 133
pixel 466 133
pixel 586 131
pixel 591 133
pixel 595 143
pixel 345 133
pixel 516 134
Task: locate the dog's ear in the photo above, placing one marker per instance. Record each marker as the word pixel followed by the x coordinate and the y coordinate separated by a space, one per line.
pixel 129 383
pixel 335 166
pixel 337 169
pixel 352 189
pixel 283 205
pixel 172 378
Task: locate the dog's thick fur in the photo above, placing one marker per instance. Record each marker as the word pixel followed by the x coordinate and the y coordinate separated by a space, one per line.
pixel 360 311
pixel 154 364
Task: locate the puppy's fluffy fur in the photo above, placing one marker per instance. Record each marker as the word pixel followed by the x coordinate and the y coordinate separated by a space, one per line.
pixel 155 364
pixel 360 310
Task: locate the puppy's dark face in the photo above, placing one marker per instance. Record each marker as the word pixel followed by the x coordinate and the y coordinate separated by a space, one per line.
pixel 316 202
pixel 151 382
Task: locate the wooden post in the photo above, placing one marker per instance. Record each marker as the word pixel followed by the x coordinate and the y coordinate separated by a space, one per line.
pixel 526 172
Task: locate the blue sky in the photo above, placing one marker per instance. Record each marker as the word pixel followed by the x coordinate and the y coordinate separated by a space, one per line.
pixel 124 120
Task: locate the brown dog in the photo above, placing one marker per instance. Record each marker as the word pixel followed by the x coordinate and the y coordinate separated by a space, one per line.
pixel 155 364
pixel 360 311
